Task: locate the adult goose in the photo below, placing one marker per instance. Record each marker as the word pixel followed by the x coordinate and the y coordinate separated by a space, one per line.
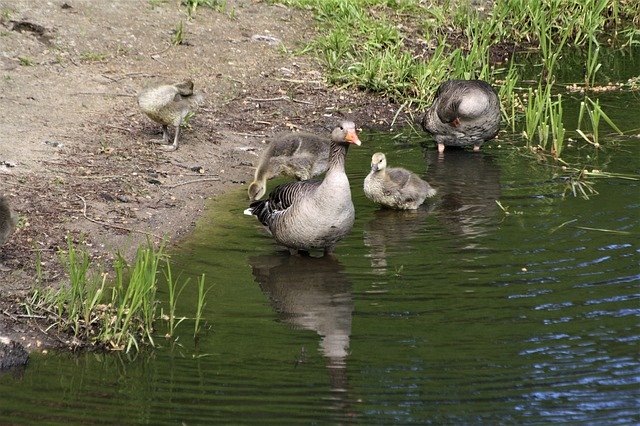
pixel 300 155
pixel 464 112
pixel 313 214
pixel 8 220
pixel 395 187
pixel 169 104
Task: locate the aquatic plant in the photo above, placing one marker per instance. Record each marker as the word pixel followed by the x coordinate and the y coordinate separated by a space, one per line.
pixel 595 114
pixel 200 306
pixel 118 314
pixel 592 65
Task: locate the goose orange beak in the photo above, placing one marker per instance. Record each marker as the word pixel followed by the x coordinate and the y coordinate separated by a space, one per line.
pixel 352 137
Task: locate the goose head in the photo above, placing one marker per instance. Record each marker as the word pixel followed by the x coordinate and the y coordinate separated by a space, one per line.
pixel 345 133
pixel 378 162
pixel 256 190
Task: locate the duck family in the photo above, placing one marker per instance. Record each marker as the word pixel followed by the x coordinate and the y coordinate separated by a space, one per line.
pixel 313 214
pixel 316 214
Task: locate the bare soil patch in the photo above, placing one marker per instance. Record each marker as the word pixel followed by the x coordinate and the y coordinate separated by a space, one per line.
pixel 75 157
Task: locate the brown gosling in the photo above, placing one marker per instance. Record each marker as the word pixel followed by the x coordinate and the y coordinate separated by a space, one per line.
pixel 169 104
pixel 396 188
pixel 300 155
pixel 8 220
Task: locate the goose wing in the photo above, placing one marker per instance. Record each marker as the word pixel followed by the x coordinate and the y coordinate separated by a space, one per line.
pixel 449 99
pixel 281 199
pixel 398 177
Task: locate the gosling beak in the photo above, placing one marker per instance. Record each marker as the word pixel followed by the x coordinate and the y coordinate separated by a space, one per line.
pixel 374 167
pixel 352 137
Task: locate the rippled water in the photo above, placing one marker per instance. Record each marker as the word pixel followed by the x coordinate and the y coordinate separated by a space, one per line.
pixel 458 313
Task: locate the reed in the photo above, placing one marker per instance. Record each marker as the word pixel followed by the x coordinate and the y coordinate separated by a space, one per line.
pixel 592 65
pixel 557 127
pixel 173 293
pixel 200 306
pixel 115 315
pixel 595 114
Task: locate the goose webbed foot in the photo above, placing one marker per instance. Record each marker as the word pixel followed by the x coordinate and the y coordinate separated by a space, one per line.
pixel 299 252
pixel 174 145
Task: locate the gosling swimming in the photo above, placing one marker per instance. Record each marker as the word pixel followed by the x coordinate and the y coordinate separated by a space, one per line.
pixel 395 187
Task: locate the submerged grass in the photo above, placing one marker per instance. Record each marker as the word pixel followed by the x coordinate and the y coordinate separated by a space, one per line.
pixel 119 314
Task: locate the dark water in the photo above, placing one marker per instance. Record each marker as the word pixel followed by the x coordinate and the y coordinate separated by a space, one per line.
pixel 458 313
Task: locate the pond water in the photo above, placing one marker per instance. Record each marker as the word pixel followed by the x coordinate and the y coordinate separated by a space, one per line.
pixel 458 313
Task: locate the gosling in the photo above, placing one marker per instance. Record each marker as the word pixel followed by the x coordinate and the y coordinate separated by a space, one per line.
pixel 300 155
pixel 8 220
pixel 395 187
pixel 169 104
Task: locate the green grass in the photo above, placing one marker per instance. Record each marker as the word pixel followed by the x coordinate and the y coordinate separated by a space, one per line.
pixel 93 56
pixel 25 62
pixel 404 49
pixel 120 313
pixel 177 37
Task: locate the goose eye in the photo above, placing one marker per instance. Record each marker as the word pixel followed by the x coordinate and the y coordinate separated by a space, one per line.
pixel 341 128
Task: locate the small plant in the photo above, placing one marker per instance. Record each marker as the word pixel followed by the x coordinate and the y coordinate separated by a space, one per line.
pixel 580 186
pixel 200 306
pixel 156 3
pixel 557 127
pixel 506 211
pixel 192 5
pixel 172 320
pixel 25 62
pixel 93 56
pixel 592 64
pixel 595 113
pixel 177 38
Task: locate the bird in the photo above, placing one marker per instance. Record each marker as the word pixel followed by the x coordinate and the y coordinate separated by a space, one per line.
pixel 464 112
pixel 300 155
pixel 169 104
pixel 395 187
pixel 313 214
pixel 8 220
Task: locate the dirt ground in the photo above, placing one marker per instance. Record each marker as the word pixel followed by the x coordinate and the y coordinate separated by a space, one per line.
pixel 75 157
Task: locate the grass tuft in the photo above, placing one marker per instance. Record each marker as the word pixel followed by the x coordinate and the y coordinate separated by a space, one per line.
pixel 118 315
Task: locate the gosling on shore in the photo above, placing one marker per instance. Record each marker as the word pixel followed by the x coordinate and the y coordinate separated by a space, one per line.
pixel 168 105
pixel 8 220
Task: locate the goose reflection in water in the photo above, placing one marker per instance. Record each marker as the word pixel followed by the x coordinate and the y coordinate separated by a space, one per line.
pixel 392 230
pixel 313 294
pixel 468 186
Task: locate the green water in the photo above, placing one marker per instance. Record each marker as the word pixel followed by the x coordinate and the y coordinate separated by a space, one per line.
pixel 458 313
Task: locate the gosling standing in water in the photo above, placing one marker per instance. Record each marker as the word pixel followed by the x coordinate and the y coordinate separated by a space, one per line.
pixel 464 112
pixel 395 187
pixel 8 221
pixel 169 104
pixel 300 155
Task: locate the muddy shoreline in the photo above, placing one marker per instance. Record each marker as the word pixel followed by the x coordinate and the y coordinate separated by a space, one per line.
pixel 75 157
